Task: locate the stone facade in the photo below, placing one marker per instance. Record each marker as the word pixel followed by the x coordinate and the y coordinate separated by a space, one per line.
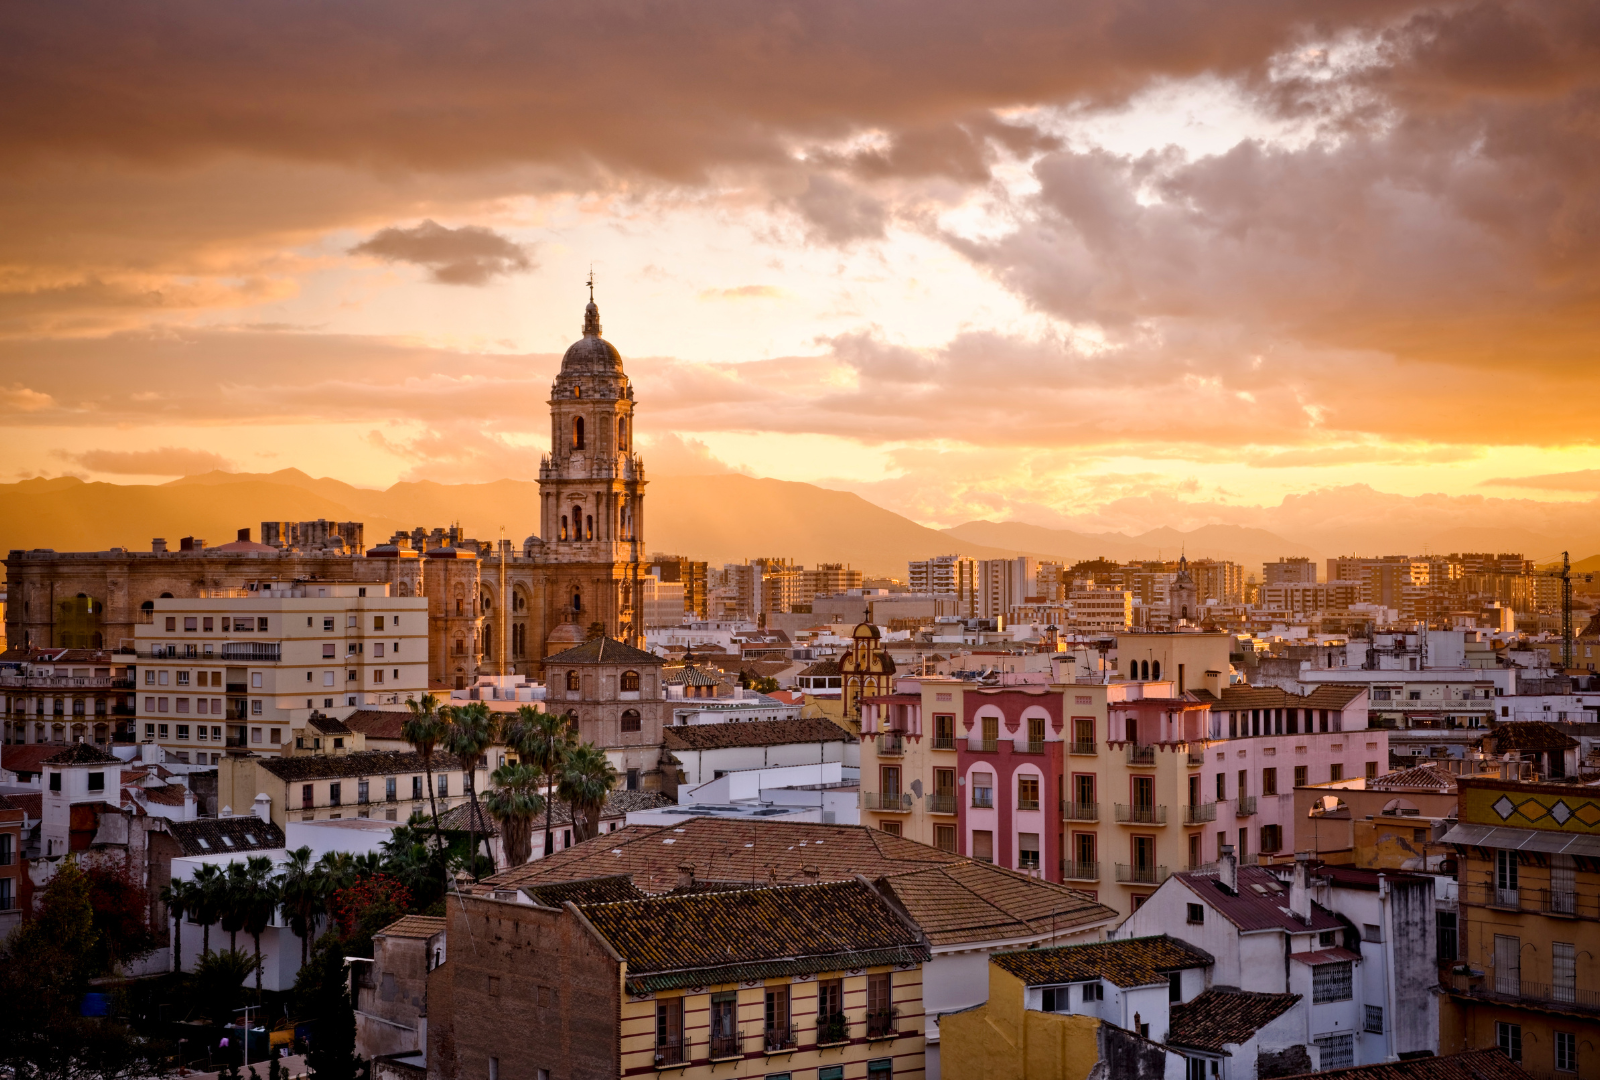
pixel 613 694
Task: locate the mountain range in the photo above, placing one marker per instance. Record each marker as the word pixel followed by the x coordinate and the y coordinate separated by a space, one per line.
pixel 719 518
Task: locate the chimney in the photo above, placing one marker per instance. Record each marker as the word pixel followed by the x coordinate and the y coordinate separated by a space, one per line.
pixel 263 806
pixel 1300 888
pixel 812 873
pixel 159 545
pixel 686 875
pixel 244 536
pixel 1211 682
pixel 186 544
pixel 1228 868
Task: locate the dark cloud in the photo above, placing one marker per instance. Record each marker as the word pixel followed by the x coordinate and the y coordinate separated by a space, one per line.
pixel 838 212
pixel 165 461
pixel 470 255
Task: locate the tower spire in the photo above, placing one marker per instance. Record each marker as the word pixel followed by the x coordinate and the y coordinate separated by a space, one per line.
pixel 591 313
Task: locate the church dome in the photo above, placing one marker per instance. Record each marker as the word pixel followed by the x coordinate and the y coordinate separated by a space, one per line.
pixel 591 354
pixel 564 637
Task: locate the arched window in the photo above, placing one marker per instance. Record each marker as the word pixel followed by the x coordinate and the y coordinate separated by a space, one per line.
pixel 148 605
pixel 563 526
pixel 577 600
pixel 460 645
pixel 1156 670
pixel 622 433
pixel 577 523
pixel 630 720
pixel 1145 669
pixel 577 433
pixel 572 720
pixel 486 601
pixel 630 680
pixel 589 535
pixel 404 589
pixel 572 680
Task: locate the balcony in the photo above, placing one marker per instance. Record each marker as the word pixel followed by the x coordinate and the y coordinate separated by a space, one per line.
pixel 779 1041
pixel 1141 875
pixel 1141 815
pixel 891 744
pixel 1082 749
pixel 1565 998
pixel 727 1046
pixel 941 804
pixel 880 1025
pixel 670 1052
pixel 1196 759
pixel 832 1030
pixel 1244 806
pixel 1080 811
pixel 1194 815
pixel 236 742
pixel 983 798
pixel 1141 755
pixel 886 803
pixel 252 650
pixel 983 746
pixel 1079 871
pixel 944 742
pixel 1027 804
pixel 1031 747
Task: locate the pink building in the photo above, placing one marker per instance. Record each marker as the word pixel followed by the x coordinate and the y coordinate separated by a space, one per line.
pixel 1265 742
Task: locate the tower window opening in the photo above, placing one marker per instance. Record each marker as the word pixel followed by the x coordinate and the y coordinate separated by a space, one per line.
pixel 577 433
pixel 589 533
pixel 622 433
pixel 577 523
pixel 563 526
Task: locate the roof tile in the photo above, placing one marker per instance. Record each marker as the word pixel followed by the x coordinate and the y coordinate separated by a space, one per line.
pixel 1487 1064
pixel 754 733
pixel 1126 962
pixel 1262 902
pixel 1218 1018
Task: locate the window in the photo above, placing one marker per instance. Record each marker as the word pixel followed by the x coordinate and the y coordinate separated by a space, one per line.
pixel 1509 1038
pixel 334 790
pixel 97 781
pixel 630 720
pixel 631 780
pixel 494 1063
pixel 1335 773
pixel 1027 851
pixel 982 789
pixel 983 845
pixel 1027 792
pixel 1222 786
pixel 1301 776
pixel 778 1035
pixel 1505 870
pixel 362 789
pixel 172 622
pixel 1374 1024
pixel 1564 971
pixel 1093 991
pixel 724 1032
pixel 306 797
pixel 255 734
pixel 1330 982
pixel 1197 914
pixel 444 785
pixel 572 682
pixel 1372 770
pixel 944 732
pixel 880 1068
pixel 1055 1000
pixel 1371 932
pixel 831 1072
pixel 669 1031
pixel 880 1004
pixel 1566 1051
pixel 944 838
pixel 1271 837
pixel 630 680
pixel 1337 1051
pixel 7 851
pixel 389 783
pixel 183 730
pixel 416 787
pixel 890 827
pixel 1269 785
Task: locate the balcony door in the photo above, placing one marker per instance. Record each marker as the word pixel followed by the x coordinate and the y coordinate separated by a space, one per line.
pixel 1507 965
pixel 1144 792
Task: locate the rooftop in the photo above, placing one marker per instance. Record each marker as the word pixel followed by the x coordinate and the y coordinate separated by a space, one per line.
pixel 82 754
pixel 1488 1064
pixel 753 733
pixel 711 938
pixel 1125 962
pixel 1245 696
pixel 28 759
pixel 1220 1017
pixel 1416 778
pixel 1262 902
pixel 1527 735
pixel 361 763
pixel 378 723
pixel 413 926
pixel 603 650
pixel 219 836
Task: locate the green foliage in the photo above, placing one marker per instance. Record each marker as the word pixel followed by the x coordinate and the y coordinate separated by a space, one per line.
pixel 219 982
pixel 322 991
pixel 365 907
pixel 587 778
pixel 424 730
pixel 542 740
pixel 514 802
pixel 472 730
pixel 763 684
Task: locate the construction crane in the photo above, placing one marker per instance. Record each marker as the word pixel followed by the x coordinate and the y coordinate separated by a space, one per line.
pixel 1568 656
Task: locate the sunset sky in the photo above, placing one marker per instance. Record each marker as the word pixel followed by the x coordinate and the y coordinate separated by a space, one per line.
pixel 1090 264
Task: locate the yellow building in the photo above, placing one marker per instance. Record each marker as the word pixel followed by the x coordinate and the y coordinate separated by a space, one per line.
pixel 1528 925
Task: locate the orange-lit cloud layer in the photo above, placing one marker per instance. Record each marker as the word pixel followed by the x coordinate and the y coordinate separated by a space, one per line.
pixel 1022 259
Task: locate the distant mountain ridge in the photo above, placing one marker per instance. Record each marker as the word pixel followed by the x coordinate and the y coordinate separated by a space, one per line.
pixel 726 517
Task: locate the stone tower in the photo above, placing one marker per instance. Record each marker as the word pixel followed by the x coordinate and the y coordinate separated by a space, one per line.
pixel 591 493
pixel 1183 597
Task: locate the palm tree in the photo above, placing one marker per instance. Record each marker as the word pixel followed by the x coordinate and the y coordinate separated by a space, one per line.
pixel 179 896
pixel 209 884
pixel 300 892
pixel 514 802
pixel 586 781
pixel 424 730
pixel 473 729
pixel 542 740
pixel 259 899
pixel 234 902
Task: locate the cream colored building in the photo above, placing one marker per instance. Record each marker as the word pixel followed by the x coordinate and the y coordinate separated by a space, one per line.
pixel 244 669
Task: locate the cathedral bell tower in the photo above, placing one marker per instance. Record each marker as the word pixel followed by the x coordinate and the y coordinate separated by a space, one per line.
pixel 591 492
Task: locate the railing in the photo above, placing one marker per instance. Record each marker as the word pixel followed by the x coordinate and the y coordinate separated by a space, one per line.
pixel 1194 815
pixel 235 742
pixel 146 618
pixel 727 1046
pixel 890 744
pixel 984 801
pixel 941 804
pixel 777 1040
pixel 1244 806
pixel 670 1052
pixel 886 803
pixel 832 1030
pixel 944 742
pixel 1027 804
pixel 983 746
pixel 1083 749
pixel 1079 871
pixel 1567 997
pixel 64 682
pixel 1196 759
pixel 1141 755
pixel 1079 811
pixel 252 650
pixel 880 1025
pixel 1141 875
pixel 1141 815
pixel 1031 747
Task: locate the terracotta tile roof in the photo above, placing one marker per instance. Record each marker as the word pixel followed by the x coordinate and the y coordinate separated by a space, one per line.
pixel 964 901
pixel 602 890
pixel 18 654
pixel 1221 1017
pixel 1125 962
pixel 1262 902
pixel 377 723
pixel 7 804
pixel 1325 956
pixel 603 650
pixel 712 938
pixel 969 901
pixel 1528 735
pixel 28 759
pixel 753 733
pixel 413 926
pixel 82 754
pixel 1245 696
pixel 31 804
pixel 691 675
pixel 217 836
pixel 829 666
pixel 1415 778
pixel 165 795
pixel 328 725
pixel 362 763
pixel 460 818
pixel 1488 1064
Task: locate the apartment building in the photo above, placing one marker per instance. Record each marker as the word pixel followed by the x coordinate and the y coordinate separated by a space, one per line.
pixel 13 870
pixel 341 779
pixel 1096 610
pixel 1190 660
pixel 1528 924
pixel 1264 742
pixel 947 575
pixel 1297 570
pixel 240 668
pixel 66 696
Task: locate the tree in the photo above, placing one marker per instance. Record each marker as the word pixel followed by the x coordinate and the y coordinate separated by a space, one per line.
pixel 542 740
pixel 259 901
pixel 408 857
pixel 423 730
pixel 586 782
pixel 219 983
pixel 234 902
pixel 473 729
pixel 178 896
pixel 210 886
pixel 121 917
pixel 514 802
pixel 301 893
pixel 322 991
